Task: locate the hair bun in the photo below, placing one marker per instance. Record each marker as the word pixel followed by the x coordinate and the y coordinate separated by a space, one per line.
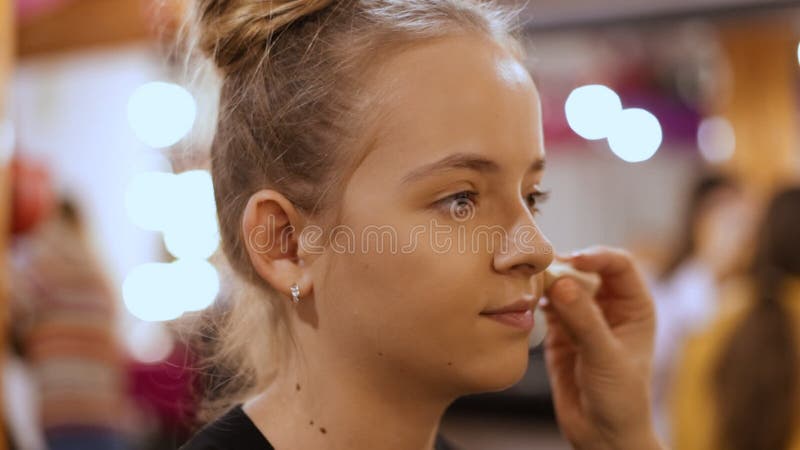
pixel 230 29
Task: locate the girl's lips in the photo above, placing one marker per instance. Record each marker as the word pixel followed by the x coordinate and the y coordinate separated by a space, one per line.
pixel 518 319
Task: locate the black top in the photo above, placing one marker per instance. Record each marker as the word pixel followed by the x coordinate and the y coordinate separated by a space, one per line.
pixel 235 431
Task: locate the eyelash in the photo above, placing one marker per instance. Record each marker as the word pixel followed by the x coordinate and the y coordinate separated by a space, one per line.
pixel 534 198
pixel 537 197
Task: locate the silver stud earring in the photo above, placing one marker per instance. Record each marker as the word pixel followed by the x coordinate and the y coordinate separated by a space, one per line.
pixel 295 293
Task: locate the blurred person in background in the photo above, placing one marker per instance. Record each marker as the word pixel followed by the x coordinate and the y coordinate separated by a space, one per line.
pixel 64 323
pixel 709 251
pixel 32 201
pixel 737 383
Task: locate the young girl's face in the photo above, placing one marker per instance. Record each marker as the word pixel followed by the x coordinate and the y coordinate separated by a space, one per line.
pixel 438 222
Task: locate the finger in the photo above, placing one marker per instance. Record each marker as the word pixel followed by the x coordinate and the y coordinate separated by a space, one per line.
pixel 565 391
pixel 616 267
pixel 560 360
pixel 582 319
pixel 557 334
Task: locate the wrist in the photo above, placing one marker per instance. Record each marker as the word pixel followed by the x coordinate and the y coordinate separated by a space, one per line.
pixel 643 438
pixel 646 440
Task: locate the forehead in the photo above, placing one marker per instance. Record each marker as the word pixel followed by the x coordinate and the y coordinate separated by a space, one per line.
pixel 454 94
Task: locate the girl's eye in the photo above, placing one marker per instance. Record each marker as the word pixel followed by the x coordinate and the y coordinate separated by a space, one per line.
pixel 461 205
pixel 537 197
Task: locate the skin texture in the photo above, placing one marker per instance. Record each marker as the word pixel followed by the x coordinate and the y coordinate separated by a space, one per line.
pixel 385 339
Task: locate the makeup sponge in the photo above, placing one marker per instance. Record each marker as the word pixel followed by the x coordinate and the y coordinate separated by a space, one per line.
pixel 589 281
pixel 558 269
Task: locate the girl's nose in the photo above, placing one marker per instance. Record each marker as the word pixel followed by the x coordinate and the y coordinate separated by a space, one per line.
pixel 527 252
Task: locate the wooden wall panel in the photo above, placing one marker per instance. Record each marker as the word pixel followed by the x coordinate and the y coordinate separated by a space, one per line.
pixel 761 102
pixel 86 23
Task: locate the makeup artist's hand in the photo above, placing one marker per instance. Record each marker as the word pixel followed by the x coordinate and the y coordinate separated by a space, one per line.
pixel 598 353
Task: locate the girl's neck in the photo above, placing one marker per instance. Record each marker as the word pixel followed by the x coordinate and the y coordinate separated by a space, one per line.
pixel 334 404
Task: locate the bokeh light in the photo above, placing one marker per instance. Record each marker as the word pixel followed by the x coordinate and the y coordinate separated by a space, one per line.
pixel 716 139
pixel 151 293
pixel 161 114
pixel 191 229
pixel 636 135
pixel 592 111
pixel 198 283
pixel 149 200
pixel 180 206
pixel 157 292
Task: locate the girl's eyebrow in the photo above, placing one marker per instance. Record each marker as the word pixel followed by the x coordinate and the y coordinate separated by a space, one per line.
pixel 471 161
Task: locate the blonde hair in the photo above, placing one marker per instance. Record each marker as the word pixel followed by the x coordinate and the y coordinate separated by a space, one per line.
pixel 292 109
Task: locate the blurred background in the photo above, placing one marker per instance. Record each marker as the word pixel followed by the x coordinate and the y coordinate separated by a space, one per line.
pixel 671 129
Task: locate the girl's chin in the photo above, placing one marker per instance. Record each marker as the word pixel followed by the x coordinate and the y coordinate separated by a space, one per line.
pixel 498 375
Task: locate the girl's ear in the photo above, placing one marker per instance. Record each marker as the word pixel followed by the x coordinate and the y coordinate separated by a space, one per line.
pixel 271 227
